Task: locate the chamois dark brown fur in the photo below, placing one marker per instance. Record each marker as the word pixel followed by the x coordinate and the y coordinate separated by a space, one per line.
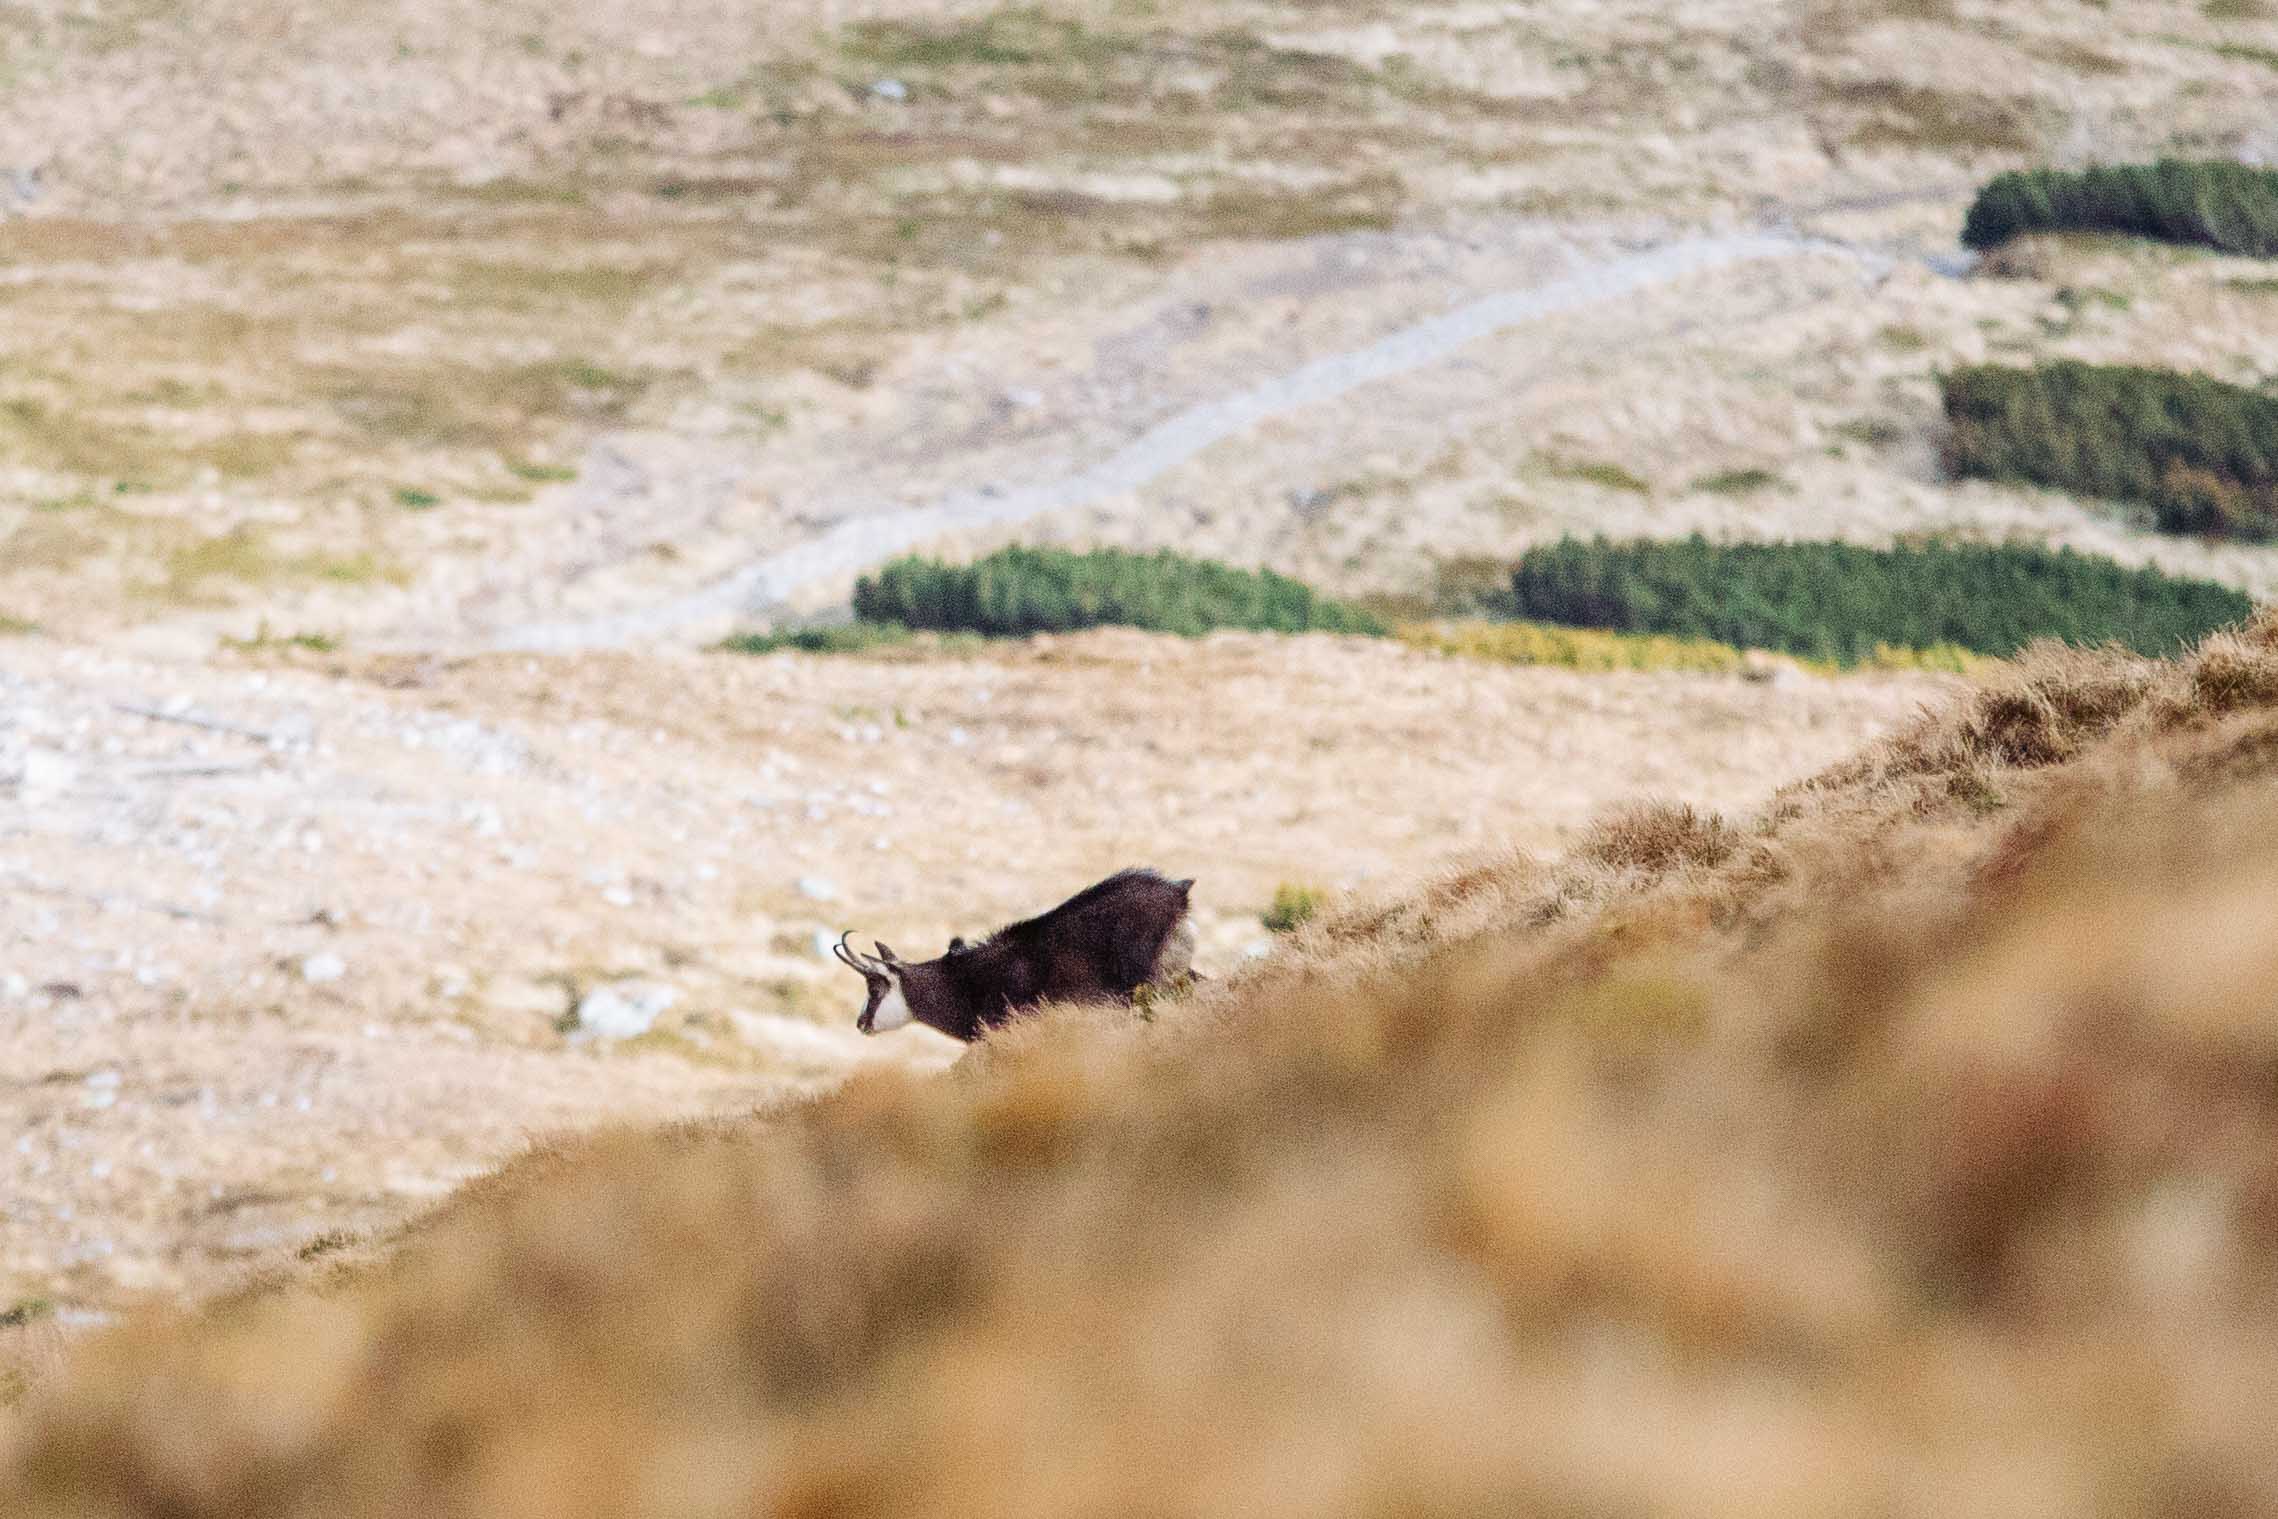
pixel 1102 944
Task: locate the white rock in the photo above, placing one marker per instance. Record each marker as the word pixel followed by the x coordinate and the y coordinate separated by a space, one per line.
pixel 623 1009
pixel 818 889
pixel 324 969
pixel 890 89
pixel 46 772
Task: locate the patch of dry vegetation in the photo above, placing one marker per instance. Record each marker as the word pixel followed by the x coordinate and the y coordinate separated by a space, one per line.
pixel 1906 1150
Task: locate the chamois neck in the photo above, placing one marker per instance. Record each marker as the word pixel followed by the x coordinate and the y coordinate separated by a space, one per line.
pixel 934 1001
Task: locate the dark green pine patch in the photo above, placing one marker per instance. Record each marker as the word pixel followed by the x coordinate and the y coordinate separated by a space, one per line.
pixel 2219 204
pixel 1839 602
pixel 1018 591
pixel 2200 454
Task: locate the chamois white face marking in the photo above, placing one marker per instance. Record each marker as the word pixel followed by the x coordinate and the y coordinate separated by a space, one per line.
pixel 893 1010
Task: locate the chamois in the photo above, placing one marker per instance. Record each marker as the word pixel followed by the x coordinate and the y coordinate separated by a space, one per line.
pixel 1103 943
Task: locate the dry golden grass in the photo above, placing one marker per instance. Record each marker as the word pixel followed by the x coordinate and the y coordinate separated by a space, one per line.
pixel 1907 1150
pixel 1562 648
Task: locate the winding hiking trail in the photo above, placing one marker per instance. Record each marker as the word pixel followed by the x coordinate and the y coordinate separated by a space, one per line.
pixel 865 536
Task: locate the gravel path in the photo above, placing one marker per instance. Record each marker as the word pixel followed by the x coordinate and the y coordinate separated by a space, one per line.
pixel 868 537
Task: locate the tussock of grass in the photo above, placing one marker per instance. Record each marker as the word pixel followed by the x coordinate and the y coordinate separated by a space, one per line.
pixel 1598 472
pixel 1293 907
pixel 504 409
pixel 1066 62
pixel 244 556
pixel 265 641
pixel 1658 837
pixel 1949 1073
pixel 541 474
pixel 1918 118
pixel 1596 650
pixel 71 440
pixel 1536 643
pixel 1737 482
pixel 848 638
pixel 2242 52
pixel 48 543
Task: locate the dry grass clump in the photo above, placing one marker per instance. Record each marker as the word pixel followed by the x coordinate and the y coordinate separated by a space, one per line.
pixel 1906 1152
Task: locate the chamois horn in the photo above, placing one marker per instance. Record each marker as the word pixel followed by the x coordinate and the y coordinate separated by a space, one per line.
pixel 853 959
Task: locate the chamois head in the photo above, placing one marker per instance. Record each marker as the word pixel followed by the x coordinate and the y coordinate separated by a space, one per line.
pixel 882 973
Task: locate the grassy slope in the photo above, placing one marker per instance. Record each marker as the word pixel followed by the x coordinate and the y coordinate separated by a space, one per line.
pixel 1906 1150
pixel 316 300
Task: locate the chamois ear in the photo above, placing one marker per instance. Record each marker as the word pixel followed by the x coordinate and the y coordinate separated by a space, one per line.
pixel 885 954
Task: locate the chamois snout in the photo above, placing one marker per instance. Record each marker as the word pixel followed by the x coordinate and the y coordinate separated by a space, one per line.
pixel 886 1008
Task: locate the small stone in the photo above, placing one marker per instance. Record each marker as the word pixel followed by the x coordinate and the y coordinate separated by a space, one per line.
pixel 623 1009
pixel 323 970
pixel 891 89
pixel 46 772
pixel 818 889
